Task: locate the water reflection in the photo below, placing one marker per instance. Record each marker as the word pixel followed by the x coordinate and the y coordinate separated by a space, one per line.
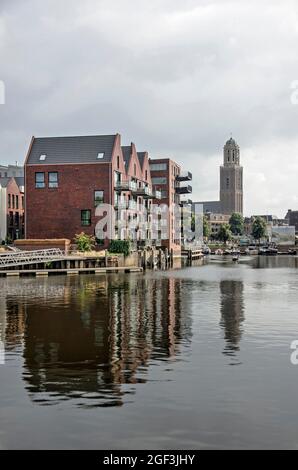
pixel 84 337
pixel 232 314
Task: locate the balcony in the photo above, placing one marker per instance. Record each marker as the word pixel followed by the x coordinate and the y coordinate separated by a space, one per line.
pixel 121 204
pixel 186 202
pixel 125 186
pixel 157 194
pixel 145 191
pixel 184 176
pixel 184 189
pixel 132 205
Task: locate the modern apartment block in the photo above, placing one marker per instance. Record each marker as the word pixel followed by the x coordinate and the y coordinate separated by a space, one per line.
pixel 11 208
pixel 66 178
pixel 167 177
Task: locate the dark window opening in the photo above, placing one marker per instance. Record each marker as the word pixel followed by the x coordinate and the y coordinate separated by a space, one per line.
pixel 39 180
pixel 53 179
pixel 86 217
pixel 98 198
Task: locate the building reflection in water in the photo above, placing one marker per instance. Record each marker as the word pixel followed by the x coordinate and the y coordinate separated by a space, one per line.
pixel 84 337
pixel 232 314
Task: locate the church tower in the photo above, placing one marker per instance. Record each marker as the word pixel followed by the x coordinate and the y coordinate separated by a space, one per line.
pixel 231 179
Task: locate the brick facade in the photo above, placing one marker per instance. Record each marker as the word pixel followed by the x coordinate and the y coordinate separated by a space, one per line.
pixel 14 210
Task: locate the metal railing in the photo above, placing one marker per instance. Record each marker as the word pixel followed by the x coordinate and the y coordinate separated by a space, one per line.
pixel 20 258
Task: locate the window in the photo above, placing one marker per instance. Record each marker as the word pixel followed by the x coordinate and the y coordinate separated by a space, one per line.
pixel 86 217
pixel 53 179
pixel 9 201
pixel 13 206
pixel 39 180
pixel 17 201
pixel 100 155
pixel 158 166
pixel 146 175
pixel 159 180
pixel 228 182
pixel 118 162
pixel 135 169
pixel 98 198
pixel 42 157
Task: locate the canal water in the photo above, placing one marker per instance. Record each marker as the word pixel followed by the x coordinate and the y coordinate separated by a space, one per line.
pixel 193 358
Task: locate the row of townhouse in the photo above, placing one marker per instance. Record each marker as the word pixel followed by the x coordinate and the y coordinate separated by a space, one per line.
pixel 11 208
pixel 69 179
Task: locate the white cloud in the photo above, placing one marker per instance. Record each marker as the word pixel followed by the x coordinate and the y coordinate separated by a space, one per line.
pixel 176 77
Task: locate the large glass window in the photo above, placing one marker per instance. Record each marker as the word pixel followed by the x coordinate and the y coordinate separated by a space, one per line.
pixel 53 179
pixel 39 180
pixel 158 166
pixel 86 217
pixel 159 180
pixel 98 197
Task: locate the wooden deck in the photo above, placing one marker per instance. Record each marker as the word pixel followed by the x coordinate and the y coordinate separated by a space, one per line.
pixel 76 271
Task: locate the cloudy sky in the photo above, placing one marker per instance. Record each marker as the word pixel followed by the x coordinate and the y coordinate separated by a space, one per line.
pixel 176 77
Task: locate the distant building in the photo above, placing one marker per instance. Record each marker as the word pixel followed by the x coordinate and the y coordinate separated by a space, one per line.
pixel 11 208
pixel 11 171
pixel 292 218
pixel 270 219
pixel 210 206
pixel 231 183
pixel 215 221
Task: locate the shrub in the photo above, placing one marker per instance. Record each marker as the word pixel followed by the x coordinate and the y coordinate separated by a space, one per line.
pixel 84 242
pixel 120 246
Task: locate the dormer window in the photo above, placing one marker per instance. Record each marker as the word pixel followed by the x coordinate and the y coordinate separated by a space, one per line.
pixel 42 158
pixel 100 155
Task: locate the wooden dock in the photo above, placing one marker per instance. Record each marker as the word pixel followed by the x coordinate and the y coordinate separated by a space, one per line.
pixel 65 271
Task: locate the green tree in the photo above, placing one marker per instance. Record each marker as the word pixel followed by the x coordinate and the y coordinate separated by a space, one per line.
pixel 84 242
pixel 259 228
pixel 120 246
pixel 206 228
pixel 224 233
pixel 237 224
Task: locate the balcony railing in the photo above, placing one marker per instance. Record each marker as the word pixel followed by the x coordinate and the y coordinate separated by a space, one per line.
pixel 186 202
pixel 184 176
pixel 125 186
pixel 157 194
pixel 145 191
pixel 121 204
pixel 184 189
pixel 132 205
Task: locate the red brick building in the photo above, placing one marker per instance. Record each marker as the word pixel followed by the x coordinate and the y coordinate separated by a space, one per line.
pixel 11 208
pixel 66 178
pixel 166 177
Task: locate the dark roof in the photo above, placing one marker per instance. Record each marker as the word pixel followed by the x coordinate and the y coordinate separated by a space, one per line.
pixel 4 182
pixel 141 156
pixel 19 180
pixel 126 150
pixel 78 149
